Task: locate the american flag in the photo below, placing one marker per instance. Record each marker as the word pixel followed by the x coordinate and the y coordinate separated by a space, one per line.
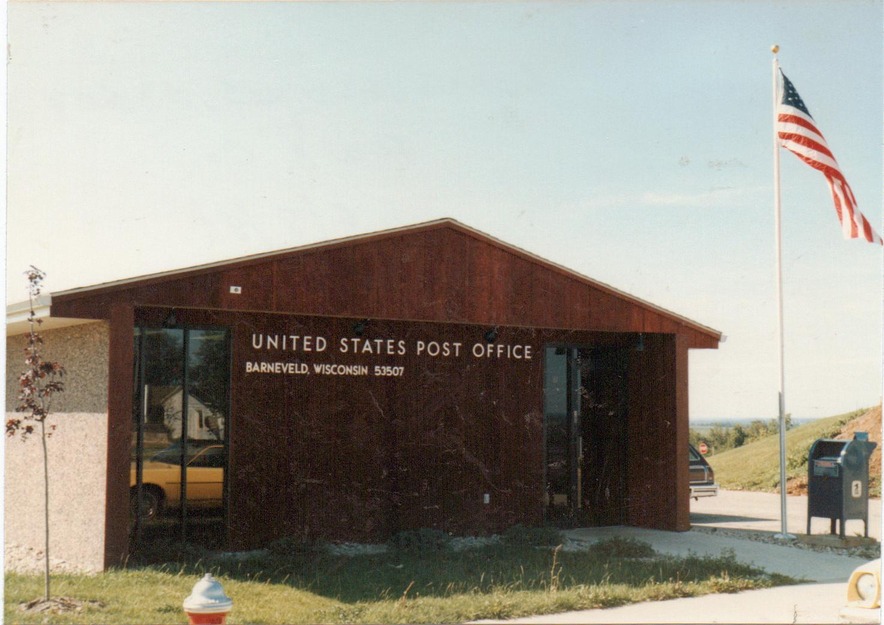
pixel 798 133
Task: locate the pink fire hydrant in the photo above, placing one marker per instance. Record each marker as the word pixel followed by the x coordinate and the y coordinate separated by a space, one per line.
pixel 207 603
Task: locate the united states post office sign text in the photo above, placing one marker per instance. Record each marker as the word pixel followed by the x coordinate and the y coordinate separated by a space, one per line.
pixel 320 354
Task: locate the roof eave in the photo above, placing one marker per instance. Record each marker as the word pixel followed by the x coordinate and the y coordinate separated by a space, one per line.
pixel 18 316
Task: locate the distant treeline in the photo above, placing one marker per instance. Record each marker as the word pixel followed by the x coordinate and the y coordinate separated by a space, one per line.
pixel 720 438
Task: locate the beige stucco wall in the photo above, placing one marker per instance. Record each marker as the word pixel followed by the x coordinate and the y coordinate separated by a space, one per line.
pixel 77 457
pixel 82 350
pixel 77 468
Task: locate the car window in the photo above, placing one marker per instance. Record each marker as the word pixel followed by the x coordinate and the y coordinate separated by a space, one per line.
pixel 695 455
pixel 169 456
pixel 172 454
pixel 212 457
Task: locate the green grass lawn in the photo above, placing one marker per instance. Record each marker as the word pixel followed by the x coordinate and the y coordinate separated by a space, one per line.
pixel 400 586
pixel 755 466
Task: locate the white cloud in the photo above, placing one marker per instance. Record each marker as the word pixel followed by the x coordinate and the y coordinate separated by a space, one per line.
pixel 716 197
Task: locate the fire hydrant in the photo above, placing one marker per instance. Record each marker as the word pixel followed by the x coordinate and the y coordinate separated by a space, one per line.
pixel 207 603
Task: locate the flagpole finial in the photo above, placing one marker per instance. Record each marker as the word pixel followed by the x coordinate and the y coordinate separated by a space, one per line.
pixel 775 48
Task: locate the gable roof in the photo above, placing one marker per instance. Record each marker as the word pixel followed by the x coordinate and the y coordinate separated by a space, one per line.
pixel 440 270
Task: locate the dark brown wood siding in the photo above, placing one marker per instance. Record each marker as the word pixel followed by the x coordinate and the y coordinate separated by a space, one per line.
pixel 360 457
pixel 119 439
pixel 658 435
pixel 444 273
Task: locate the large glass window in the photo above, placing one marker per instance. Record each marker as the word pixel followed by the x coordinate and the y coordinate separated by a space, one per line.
pixel 179 437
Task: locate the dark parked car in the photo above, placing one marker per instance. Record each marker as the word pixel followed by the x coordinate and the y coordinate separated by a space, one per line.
pixel 702 476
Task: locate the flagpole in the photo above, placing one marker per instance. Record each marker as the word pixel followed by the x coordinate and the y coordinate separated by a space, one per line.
pixel 784 534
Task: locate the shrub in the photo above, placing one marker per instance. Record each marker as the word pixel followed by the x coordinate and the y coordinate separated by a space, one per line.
pixel 168 550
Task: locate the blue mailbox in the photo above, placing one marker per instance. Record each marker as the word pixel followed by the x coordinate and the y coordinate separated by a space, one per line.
pixel 838 481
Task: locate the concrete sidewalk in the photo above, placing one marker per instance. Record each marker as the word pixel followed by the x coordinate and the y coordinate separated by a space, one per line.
pixel 820 600
pixel 808 603
pixel 804 564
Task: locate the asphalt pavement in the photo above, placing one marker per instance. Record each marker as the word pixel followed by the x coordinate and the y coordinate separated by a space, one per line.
pixel 744 510
pixel 746 524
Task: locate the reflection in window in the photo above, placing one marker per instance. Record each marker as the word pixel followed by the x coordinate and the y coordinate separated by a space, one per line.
pixel 555 400
pixel 207 385
pixel 179 420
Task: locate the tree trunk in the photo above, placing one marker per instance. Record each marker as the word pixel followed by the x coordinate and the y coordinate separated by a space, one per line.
pixel 45 508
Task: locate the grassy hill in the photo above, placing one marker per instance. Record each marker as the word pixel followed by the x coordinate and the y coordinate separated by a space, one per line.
pixel 755 466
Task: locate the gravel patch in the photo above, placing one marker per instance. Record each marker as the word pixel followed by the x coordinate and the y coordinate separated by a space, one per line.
pixel 28 560
pixel 241 556
pixel 868 552
pixel 457 544
pixel 462 543
pixel 355 549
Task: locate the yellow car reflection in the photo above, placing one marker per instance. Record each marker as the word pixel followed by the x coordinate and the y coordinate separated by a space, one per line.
pixel 161 480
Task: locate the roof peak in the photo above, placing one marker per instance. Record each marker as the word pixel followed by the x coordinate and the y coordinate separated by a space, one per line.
pixel 258 256
pixel 444 223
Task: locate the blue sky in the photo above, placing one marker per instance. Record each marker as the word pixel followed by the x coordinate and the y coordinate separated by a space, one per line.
pixel 630 141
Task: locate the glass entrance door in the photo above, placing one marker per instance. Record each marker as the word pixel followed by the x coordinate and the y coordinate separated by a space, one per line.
pixel 585 394
pixel 179 441
pixel 562 435
pixel 603 414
